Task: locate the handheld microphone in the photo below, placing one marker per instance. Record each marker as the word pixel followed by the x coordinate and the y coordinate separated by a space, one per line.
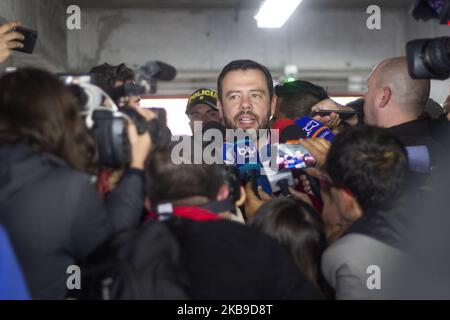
pixel 244 155
pixel 292 133
pixel 158 70
pixel 314 129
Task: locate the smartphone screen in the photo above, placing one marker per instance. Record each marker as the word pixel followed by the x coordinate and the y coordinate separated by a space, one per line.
pixel 294 156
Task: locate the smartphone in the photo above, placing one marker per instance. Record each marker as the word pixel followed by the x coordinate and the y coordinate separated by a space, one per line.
pixel 343 114
pixel 294 156
pixel 30 40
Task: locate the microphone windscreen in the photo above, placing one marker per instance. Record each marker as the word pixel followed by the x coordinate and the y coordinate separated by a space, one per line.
pixel 166 71
pixel 292 132
pixel 314 129
pixel 157 70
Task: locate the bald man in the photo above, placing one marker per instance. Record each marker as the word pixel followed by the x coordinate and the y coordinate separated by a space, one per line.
pixel 393 97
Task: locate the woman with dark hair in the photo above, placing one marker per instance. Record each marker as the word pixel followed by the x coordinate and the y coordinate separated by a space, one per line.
pixel 48 201
pixel 297 226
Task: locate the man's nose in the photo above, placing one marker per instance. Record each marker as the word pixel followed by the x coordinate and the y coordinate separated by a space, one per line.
pixel 245 103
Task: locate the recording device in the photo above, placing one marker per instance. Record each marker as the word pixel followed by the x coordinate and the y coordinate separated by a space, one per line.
pixel 30 40
pixel 151 72
pixel 161 135
pixel 343 114
pixel 430 58
pixel 280 181
pixel 314 129
pixel 292 133
pixel 108 126
pixel 244 156
pixel 294 156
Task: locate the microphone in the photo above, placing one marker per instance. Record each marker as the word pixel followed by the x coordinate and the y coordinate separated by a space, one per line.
pixel 244 155
pixel 157 70
pixel 314 129
pixel 292 133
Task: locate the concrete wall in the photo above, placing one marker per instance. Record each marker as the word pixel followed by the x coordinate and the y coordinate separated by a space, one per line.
pixel 312 39
pixel 49 18
pixel 325 44
pixel 322 43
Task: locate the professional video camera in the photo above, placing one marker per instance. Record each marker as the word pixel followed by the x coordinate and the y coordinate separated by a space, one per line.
pixel 430 58
pixel 108 124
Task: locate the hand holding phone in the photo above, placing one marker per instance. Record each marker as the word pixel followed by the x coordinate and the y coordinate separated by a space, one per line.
pixel 29 40
pixel 9 40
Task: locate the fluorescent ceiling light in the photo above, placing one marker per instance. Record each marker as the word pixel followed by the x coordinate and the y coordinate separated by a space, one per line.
pixel 275 13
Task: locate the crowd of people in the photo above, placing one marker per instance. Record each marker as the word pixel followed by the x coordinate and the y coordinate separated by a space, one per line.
pixel 155 227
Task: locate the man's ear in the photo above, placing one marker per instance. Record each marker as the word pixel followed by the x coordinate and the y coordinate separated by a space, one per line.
pixel 242 199
pixel 273 106
pixel 352 208
pixel 386 97
pixel 220 107
pixel 224 193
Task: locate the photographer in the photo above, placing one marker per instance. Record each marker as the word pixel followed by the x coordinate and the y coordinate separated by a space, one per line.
pixel 48 200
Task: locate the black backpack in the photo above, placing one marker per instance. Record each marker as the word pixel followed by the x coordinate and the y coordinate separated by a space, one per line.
pixel 138 264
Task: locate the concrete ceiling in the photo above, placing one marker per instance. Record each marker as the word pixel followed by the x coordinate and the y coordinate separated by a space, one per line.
pixel 235 4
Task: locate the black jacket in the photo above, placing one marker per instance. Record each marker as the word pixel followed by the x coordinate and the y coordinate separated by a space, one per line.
pixel 54 216
pixel 227 260
pixel 417 133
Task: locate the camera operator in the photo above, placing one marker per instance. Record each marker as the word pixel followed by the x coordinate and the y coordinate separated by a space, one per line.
pixel 9 40
pixel 112 79
pixel 48 200
pixel 396 101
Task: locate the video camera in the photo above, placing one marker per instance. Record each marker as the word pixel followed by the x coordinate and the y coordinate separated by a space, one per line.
pixel 108 124
pixel 430 58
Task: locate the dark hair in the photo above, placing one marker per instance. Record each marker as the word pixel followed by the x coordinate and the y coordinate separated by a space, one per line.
pixel 244 65
pixel 37 109
pixel 296 105
pixel 297 226
pixel 168 181
pixel 371 163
